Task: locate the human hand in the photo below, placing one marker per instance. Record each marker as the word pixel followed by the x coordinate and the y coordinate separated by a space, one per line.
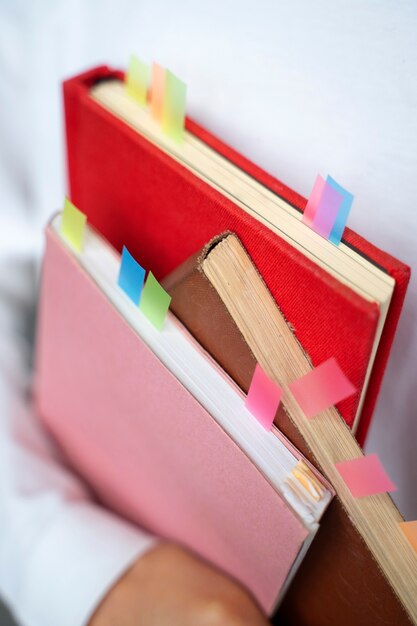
pixel 169 586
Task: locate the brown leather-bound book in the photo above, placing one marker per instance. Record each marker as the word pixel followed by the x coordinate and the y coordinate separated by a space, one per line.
pixel 342 580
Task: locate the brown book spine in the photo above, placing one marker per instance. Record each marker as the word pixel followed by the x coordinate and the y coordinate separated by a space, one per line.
pixel 339 581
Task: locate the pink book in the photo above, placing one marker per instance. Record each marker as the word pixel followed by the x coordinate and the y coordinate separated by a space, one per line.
pixel 139 413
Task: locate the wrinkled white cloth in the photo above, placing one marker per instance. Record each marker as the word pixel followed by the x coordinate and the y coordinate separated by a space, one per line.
pixel 299 87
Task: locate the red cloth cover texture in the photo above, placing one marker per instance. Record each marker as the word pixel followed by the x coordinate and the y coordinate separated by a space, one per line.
pixel 137 196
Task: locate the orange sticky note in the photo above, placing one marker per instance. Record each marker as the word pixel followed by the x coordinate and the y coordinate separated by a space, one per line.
pixel 410 531
pixel 157 91
pixel 263 397
pixel 322 387
pixel 173 109
pixel 73 223
pixel 365 476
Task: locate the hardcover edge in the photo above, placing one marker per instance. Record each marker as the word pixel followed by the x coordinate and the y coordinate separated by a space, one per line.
pixel 79 86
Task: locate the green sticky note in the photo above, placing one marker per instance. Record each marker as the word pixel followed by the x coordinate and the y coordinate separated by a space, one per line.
pixel 173 107
pixel 154 302
pixel 73 223
pixel 137 80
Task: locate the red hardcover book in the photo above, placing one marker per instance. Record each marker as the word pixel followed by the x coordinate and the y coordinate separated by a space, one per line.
pixel 137 195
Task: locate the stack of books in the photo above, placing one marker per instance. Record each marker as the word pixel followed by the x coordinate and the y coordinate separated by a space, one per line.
pixel 151 407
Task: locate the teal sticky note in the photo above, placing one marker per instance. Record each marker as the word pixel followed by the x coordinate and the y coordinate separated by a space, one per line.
pixel 131 276
pixel 154 302
pixel 343 213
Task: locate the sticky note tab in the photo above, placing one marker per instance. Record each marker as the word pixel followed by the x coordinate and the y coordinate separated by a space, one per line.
pixel 327 211
pixel 410 531
pixel 343 213
pixel 322 387
pixel 313 201
pixel 154 302
pixel 137 80
pixel 157 91
pixel 263 398
pixel 131 276
pixel 365 476
pixel 173 110
pixel 73 223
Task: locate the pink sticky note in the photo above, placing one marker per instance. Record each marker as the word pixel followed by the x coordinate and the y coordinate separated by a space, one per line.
pixel 324 386
pixel 327 210
pixel 313 201
pixel 365 476
pixel 263 397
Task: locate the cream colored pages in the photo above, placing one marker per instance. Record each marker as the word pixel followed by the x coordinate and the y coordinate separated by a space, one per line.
pixel 253 309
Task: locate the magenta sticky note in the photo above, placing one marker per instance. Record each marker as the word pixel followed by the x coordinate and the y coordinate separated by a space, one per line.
pixel 365 476
pixel 327 211
pixel 263 397
pixel 313 201
pixel 324 386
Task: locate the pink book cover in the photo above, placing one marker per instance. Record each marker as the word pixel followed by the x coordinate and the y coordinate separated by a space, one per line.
pixel 149 450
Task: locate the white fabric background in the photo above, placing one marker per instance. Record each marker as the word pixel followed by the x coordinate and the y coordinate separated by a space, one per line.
pixel 300 87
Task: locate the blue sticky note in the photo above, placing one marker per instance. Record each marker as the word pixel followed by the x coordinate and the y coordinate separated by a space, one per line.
pixel 131 276
pixel 340 222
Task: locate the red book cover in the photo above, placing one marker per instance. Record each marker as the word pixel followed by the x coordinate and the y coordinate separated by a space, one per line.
pixel 138 196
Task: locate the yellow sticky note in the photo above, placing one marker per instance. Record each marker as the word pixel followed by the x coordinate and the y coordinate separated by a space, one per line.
pixel 410 531
pixel 73 223
pixel 137 80
pixel 157 91
pixel 154 301
pixel 173 110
